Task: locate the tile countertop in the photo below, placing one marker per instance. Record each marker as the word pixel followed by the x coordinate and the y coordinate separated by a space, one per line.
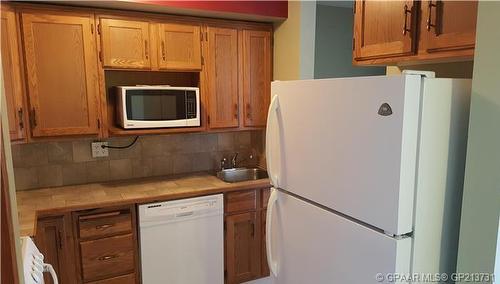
pixel 58 200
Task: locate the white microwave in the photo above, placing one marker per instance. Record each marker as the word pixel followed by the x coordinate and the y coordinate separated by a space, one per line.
pixel 157 106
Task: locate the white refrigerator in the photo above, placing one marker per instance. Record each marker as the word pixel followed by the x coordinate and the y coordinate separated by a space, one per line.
pixel 367 177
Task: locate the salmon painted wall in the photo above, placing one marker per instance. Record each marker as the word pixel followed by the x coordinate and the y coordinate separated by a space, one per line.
pixel 275 9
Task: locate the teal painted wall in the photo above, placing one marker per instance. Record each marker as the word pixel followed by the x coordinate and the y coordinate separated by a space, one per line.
pixel 481 199
pixel 333 43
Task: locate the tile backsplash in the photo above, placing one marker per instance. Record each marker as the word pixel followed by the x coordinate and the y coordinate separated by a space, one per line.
pixel 48 164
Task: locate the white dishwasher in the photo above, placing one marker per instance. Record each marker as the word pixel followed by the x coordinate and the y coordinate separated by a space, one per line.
pixel 182 241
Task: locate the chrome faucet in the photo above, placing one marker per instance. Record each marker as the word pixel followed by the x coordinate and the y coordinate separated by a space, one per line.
pixel 233 160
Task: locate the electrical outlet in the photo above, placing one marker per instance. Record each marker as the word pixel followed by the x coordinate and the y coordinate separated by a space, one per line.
pixel 98 150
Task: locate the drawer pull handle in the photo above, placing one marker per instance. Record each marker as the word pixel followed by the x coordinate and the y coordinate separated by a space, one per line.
pixel 103 227
pixel 107 257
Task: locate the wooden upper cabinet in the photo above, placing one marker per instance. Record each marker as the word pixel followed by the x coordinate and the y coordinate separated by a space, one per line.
pixel 61 63
pixel 125 44
pixel 222 68
pixel 256 77
pixel 450 25
pixel 384 29
pixel 12 75
pixel 180 47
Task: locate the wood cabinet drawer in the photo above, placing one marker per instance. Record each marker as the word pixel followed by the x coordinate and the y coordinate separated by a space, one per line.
pixel 105 224
pixel 241 201
pixel 107 257
pixel 123 279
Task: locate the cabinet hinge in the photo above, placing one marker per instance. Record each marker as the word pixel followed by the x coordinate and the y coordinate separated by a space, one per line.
pixel 92 28
pixel 100 55
pixel 206 36
pixel 354 7
pixel 208 119
pixel 21 119
pixel 33 118
pixel 201 36
pixel 202 60
pixel 99 29
pixel 98 123
pixel 353 43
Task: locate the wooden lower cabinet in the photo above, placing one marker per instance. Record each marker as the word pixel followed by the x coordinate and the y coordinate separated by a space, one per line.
pixel 124 279
pixel 100 246
pixel 242 247
pixel 245 236
pixel 55 241
pixel 107 245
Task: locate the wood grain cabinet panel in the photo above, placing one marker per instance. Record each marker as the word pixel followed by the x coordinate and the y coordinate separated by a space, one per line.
pixel 55 243
pixel 243 253
pixel 256 77
pixel 384 29
pixel 12 75
pixel 125 44
pixel 108 257
pixel 180 47
pixel 240 201
pixel 106 224
pixel 124 279
pixel 450 25
pixel 222 68
pixel 60 55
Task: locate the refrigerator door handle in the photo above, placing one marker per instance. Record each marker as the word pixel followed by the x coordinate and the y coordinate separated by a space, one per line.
pixel 272 127
pixel 273 265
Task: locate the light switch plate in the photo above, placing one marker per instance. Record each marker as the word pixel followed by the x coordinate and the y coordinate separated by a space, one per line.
pixel 98 150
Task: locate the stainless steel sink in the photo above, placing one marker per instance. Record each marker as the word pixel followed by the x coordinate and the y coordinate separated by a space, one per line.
pixel 241 174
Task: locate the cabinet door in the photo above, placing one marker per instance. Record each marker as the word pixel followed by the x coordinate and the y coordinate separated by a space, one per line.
pixel 54 243
pixel 450 25
pixel 125 44
pixel 180 47
pixel 222 68
pixel 12 75
pixel 242 247
pixel 256 77
pixel 61 66
pixel 384 29
pixel 265 265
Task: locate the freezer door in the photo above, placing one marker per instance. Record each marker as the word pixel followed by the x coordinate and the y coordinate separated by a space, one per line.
pixel 308 244
pixel 349 144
